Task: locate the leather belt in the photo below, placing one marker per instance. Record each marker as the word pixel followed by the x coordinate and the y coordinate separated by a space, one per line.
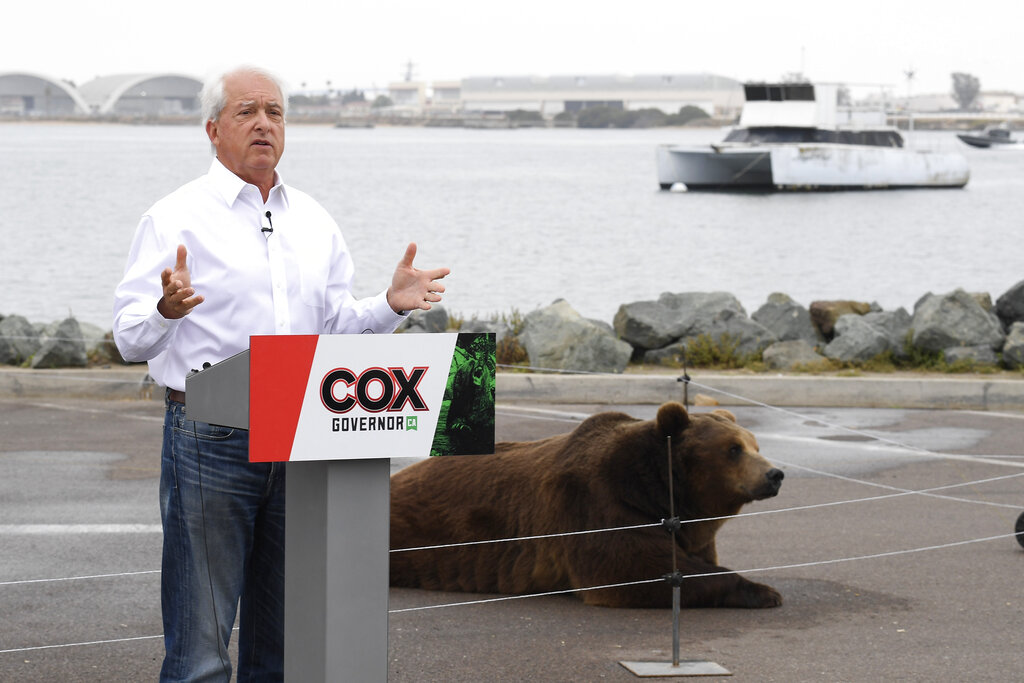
pixel 176 396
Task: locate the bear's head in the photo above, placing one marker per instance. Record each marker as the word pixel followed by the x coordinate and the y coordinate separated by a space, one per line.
pixel 716 464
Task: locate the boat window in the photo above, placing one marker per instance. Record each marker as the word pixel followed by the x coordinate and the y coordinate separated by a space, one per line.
pixel 763 92
pixel 756 93
pixel 803 92
pixel 760 135
pixel 765 135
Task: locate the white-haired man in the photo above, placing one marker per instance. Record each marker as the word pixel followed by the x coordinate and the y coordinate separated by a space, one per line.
pixel 231 254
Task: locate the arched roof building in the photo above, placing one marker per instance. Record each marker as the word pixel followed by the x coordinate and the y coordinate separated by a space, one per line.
pixel 143 94
pixel 28 94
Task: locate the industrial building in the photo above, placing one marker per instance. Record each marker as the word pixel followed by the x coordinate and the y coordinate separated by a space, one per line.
pixel 157 95
pixel 143 95
pixel 35 95
pixel 551 95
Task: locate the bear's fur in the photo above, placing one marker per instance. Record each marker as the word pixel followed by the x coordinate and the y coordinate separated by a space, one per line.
pixel 611 471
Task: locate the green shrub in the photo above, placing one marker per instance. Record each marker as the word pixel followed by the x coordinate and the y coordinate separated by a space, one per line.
pixel 703 351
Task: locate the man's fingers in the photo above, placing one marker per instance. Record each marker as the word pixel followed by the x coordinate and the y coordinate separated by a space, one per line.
pixel 191 303
pixel 182 256
pixel 438 274
pixel 410 254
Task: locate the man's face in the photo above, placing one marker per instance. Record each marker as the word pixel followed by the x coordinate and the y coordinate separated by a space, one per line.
pixel 249 133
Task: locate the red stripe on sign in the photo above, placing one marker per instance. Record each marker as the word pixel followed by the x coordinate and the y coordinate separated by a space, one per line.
pixel 278 374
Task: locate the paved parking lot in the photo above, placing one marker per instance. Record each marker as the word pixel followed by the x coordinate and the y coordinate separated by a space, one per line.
pixel 901 587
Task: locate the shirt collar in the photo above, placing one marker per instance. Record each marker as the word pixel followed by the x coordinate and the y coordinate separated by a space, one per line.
pixel 229 186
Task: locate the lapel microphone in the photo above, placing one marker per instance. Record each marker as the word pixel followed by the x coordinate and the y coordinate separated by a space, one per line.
pixel 267 226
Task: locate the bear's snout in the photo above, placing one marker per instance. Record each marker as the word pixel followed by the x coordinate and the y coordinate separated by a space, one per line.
pixel 773 482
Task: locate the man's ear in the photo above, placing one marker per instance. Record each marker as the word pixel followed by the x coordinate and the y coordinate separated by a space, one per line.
pixel 211 132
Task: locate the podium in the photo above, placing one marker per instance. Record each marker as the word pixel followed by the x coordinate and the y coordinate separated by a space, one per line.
pixel 337 408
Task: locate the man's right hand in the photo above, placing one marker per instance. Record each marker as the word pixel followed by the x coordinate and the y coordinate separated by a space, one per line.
pixel 178 298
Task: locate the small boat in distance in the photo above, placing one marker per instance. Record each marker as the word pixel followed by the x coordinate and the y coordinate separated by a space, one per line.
pixel 990 136
pixel 790 138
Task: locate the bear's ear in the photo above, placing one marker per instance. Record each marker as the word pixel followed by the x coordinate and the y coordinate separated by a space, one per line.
pixel 672 418
pixel 724 413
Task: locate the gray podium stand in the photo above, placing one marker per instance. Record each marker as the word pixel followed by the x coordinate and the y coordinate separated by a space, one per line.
pixel 336 545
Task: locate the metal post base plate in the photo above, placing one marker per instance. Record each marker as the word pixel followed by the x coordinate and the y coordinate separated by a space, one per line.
pixel 685 668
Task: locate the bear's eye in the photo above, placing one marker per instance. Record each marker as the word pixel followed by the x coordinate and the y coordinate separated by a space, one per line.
pixel 735 451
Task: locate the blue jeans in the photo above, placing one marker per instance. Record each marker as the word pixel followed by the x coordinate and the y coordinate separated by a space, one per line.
pixel 223 521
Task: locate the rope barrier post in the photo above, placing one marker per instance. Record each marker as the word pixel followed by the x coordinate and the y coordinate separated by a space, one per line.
pixel 685 379
pixel 675 579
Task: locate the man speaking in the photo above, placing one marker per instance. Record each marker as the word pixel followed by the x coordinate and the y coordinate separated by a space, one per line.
pixel 231 254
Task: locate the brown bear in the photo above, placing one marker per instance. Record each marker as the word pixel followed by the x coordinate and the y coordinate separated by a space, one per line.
pixel 611 471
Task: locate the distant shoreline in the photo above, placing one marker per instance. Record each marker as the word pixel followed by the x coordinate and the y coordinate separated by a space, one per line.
pixel 921 122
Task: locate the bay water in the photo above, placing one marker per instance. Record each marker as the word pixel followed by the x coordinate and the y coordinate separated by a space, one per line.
pixel 522 217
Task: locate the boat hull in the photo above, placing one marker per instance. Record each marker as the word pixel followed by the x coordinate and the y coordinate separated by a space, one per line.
pixel 817 166
pixel 986 141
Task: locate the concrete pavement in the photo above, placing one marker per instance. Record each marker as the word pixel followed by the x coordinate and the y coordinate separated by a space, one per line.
pixel 905 587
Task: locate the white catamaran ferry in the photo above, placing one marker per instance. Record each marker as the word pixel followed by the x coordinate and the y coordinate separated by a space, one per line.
pixel 790 138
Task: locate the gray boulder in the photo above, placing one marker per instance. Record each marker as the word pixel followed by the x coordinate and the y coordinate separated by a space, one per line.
pixel 1013 349
pixel 696 307
pixel 787 319
pixel 1010 306
pixel 856 340
pixel 975 355
pixel 559 338
pixel 93 336
pixel 419 321
pixel 895 325
pixel 675 317
pixel 18 340
pixel 942 321
pixel 726 327
pixel 793 354
pixel 62 347
pixel 648 324
pixel 716 314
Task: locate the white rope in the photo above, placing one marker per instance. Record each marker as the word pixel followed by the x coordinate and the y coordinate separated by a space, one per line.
pixel 522 597
pixel 91 642
pixel 892 442
pixel 798 565
pixel 527 538
pixel 79 578
pixel 902 491
pixel 899 493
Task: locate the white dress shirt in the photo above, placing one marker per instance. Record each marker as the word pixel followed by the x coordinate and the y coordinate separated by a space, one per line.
pixel 295 280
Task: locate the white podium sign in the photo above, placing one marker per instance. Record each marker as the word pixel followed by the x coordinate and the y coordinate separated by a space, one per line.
pixel 345 397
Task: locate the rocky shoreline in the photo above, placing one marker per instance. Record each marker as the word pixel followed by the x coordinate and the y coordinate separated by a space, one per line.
pixel 678 329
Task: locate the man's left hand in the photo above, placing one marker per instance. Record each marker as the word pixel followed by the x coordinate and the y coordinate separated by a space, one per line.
pixel 412 288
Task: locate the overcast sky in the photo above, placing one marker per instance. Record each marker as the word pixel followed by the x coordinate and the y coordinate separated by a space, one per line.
pixel 366 43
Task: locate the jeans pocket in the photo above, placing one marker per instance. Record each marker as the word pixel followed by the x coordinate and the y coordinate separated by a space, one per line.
pixel 202 430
